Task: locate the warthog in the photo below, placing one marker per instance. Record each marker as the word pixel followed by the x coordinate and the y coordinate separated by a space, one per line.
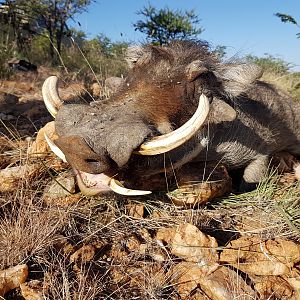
pixel 178 104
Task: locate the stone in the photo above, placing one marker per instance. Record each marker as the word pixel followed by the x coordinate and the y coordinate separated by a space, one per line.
pixel 200 183
pixel 225 284
pixel 32 290
pixel 40 147
pixel 185 277
pixel 257 257
pixel 11 176
pixel 273 286
pixel 11 278
pixel 135 210
pixel 190 244
pixel 60 187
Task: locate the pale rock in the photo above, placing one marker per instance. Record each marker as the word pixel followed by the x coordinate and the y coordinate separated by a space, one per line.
pixel 255 256
pixel 192 245
pixel 226 284
pixel 60 187
pixel 32 290
pixel 10 176
pixel 135 210
pixel 185 277
pixel 40 147
pixel 273 286
pixel 11 278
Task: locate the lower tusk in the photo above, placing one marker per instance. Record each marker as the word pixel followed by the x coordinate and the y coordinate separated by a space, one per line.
pixel 55 149
pixel 50 95
pixel 172 140
pixel 118 188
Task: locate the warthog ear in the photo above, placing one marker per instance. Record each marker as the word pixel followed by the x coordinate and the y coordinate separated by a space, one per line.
pixel 194 69
pixel 220 111
pixel 237 78
pixel 133 54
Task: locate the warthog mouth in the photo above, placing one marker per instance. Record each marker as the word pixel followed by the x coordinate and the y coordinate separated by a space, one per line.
pixel 92 184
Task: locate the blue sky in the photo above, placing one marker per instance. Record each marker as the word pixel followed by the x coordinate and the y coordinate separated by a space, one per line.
pixel 243 26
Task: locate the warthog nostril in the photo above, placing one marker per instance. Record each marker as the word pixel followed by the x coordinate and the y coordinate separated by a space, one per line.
pixel 90 160
pixel 93 163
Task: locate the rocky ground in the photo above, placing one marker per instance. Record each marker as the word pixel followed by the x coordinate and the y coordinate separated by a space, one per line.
pixel 58 244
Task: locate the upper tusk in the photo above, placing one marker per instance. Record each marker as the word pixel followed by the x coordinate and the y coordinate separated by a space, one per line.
pixel 118 188
pixel 55 149
pixel 50 95
pixel 167 142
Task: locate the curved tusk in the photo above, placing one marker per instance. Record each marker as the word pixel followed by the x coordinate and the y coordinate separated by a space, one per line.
pixel 167 142
pixel 118 188
pixel 54 148
pixel 113 184
pixel 50 95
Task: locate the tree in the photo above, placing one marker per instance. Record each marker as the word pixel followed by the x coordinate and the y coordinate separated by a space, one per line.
pixel 15 26
pixel 288 19
pixel 164 25
pixel 50 16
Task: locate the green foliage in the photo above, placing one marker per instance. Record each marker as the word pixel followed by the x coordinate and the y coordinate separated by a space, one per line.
pixel 48 17
pixel 288 19
pixel 278 72
pixel 271 63
pixel 99 56
pixel 5 55
pixel 164 25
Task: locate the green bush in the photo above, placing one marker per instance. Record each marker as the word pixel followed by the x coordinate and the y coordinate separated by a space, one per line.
pixel 5 55
pixel 271 64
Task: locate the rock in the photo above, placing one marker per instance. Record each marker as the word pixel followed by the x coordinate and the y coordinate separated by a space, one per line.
pixel 200 183
pixel 255 256
pixel 185 277
pixel 294 281
pixel 273 286
pixel 82 256
pixel 59 188
pixel 32 290
pixel 190 244
pixel 226 284
pixel 11 176
pixel 165 235
pixel 222 284
pixel 112 84
pixel 12 278
pixel 150 276
pixel 96 90
pixel 40 147
pixel 72 91
pixel 135 210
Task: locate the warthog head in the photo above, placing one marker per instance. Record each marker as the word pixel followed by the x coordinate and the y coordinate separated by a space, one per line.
pixel 170 95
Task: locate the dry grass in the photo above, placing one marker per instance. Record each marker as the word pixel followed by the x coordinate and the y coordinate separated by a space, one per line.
pixel 35 233
pixel 288 82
